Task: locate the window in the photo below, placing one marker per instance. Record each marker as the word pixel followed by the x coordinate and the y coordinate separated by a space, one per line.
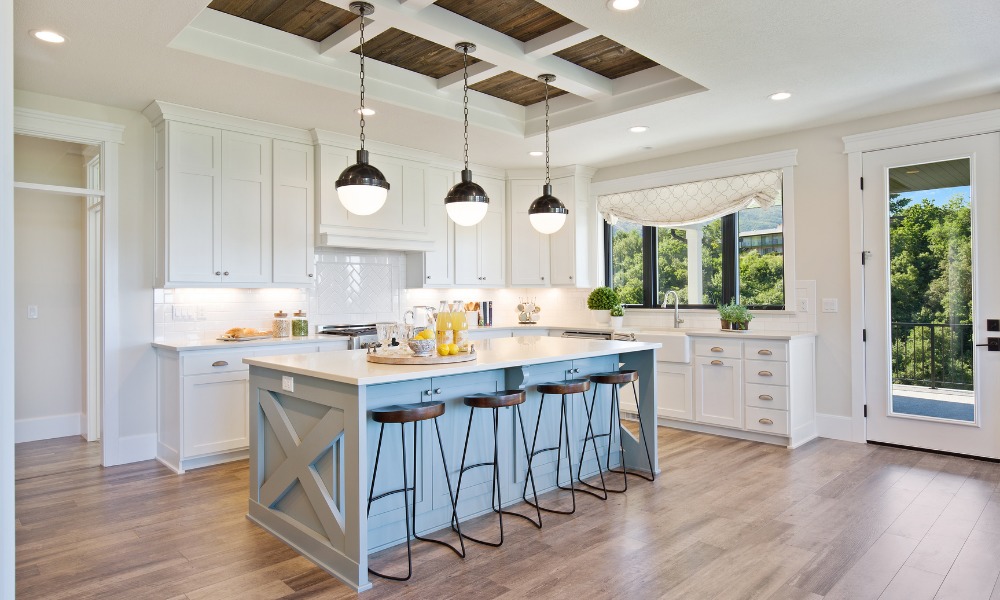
pixel 644 263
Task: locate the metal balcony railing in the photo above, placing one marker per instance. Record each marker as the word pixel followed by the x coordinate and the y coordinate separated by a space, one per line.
pixel 933 355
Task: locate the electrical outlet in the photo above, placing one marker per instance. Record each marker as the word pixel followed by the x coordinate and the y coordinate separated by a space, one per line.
pixel 830 305
pixel 32 311
pixel 804 305
pixel 288 383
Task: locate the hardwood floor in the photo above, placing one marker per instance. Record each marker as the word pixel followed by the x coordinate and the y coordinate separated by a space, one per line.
pixel 726 519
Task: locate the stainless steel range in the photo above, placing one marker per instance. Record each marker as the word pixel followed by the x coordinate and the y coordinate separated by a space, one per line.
pixel 358 336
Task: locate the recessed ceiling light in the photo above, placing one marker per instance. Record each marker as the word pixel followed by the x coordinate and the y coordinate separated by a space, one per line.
pixel 780 96
pixel 48 36
pixel 639 129
pixel 366 111
pixel 647 147
pixel 913 171
pixel 623 4
pixel 536 153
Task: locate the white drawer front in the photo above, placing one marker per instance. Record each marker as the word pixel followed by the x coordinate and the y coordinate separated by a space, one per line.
pixel 216 361
pixel 767 396
pixel 767 421
pixel 765 350
pixel 716 348
pixel 768 372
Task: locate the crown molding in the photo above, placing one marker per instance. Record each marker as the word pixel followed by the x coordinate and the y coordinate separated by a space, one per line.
pixel 931 131
pixel 38 123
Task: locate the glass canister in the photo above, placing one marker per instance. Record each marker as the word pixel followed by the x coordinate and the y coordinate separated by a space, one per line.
pixel 460 326
pixel 300 324
pixel 445 330
pixel 281 326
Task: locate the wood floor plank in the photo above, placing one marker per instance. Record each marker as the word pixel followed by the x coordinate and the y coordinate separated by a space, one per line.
pixel 976 570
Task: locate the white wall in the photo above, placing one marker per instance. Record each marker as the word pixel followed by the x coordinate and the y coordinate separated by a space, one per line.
pixel 136 385
pixel 6 299
pixel 48 273
pixel 821 227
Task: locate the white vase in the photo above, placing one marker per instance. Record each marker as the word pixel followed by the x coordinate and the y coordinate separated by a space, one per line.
pixel 602 316
pixel 617 322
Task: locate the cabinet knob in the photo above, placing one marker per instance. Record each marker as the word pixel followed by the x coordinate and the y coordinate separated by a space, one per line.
pixel 437 390
pixel 765 373
pixel 428 277
pixel 218 272
pixel 716 349
pixel 764 352
pixel 225 273
pixel 310 274
pixel 220 363
pixel 765 421
pixel 767 397
pixel 571 277
pixel 716 362
pixel 543 279
pixel 428 392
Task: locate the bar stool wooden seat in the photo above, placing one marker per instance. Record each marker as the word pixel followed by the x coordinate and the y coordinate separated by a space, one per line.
pixel 403 414
pixel 614 379
pixel 564 389
pixel 495 401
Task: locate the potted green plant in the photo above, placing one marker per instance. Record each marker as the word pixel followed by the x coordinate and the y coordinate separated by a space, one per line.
pixel 741 318
pixel 726 314
pixel 600 301
pixel 617 317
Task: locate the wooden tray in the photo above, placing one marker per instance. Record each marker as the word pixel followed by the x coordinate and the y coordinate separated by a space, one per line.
pixel 422 360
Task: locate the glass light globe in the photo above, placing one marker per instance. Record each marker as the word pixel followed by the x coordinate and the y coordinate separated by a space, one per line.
pixel 547 222
pixel 467 214
pixel 362 199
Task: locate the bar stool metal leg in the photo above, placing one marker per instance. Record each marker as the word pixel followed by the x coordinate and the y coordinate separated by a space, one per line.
pixel 616 412
pixel 592 436
pixel 451 494
pixel 563 426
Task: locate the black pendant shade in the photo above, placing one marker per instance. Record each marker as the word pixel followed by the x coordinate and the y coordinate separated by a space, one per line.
pixel 362 173
pixel 547 203
pixel 466 190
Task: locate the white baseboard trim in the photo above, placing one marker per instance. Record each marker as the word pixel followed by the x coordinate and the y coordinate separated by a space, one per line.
pixel 835 427
pixel 135 448
pixel 46 428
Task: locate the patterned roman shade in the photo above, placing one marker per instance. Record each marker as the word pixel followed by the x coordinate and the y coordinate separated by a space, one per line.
pixel 689 203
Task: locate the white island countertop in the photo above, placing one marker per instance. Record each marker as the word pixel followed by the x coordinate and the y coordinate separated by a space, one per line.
pixel 351 366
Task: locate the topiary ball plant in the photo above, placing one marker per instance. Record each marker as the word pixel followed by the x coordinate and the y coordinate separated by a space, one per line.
pixel 603 298
pixel 618 311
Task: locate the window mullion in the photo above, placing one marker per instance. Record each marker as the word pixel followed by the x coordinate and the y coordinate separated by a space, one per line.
pixel 730 259
pixel 649 274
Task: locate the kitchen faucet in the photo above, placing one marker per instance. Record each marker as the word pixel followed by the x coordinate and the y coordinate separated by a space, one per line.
pixel 677 317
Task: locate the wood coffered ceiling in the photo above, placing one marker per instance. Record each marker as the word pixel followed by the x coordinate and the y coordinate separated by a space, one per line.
pixel 516 88
pixel 414 53
pixel 311 19
pixel 606 57
pixel 522 20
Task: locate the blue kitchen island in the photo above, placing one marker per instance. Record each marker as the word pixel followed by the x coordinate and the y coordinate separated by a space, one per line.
pixel 312 442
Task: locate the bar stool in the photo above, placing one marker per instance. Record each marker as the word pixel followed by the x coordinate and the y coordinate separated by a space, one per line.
pixel 614 379
pixel 496 401
pixel 402 414
pixel 563 388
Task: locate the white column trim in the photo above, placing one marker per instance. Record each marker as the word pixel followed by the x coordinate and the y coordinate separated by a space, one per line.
pixel 7 514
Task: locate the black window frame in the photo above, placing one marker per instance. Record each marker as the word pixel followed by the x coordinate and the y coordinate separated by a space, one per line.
pixel 730 267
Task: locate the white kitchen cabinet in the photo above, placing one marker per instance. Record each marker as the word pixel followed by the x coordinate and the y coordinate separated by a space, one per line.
pixel 675 391
pixel 215 413
pixel 529 250
pixel 294 205
pixel 244 243
pixel 436 267
pixel 479 250
pixel 718 391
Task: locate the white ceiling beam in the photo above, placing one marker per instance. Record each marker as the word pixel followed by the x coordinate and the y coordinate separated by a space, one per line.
pixel 478 72
pixel 447 28
pixel 560 39
pixel 346 38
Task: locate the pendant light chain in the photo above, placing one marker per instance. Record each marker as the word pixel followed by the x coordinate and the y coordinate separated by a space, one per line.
pixel 465 68
pixel 547 132
pixel 362 50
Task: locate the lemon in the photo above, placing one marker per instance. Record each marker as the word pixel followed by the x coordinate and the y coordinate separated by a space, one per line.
pixel 444 350
pixel 453 349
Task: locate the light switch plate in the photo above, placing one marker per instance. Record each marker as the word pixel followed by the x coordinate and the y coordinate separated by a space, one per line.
pixel 288 383
pixel 830 305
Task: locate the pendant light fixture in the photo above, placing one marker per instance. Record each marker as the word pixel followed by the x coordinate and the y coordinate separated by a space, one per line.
pixel 466 201
pixel 547 214
pixel 362 188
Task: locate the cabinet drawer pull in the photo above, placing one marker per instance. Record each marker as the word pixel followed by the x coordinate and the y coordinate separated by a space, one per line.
pixel 428 392
pixel 716 362
pixel 765 373
pixel 765 421
pixel 767 397
pixel 218 272
pixel 437 390
pixel 716 349
pixel 220 363
pixel 764 352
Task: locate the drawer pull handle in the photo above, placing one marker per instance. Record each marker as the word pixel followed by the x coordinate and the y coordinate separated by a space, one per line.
pixel 767 397
pixel 716 349
pixel 764 352
pixel 765 373
pixel 428 392
pixel 716 362
pixel 220 363
pixel 765 421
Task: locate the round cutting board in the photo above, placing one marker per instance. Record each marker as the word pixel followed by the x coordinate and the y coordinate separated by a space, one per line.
pixel 422 360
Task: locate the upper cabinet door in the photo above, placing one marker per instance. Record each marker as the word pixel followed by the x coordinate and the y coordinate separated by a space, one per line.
pixel 529 250
pixel 438 263
pixel 492 247
pixel 293 230
pixel 562 244
pixel 194 184
pixel 246 208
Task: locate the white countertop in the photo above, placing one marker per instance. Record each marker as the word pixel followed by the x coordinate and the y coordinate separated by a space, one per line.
pixel 749 334
pixel 351 366
pixel 209 343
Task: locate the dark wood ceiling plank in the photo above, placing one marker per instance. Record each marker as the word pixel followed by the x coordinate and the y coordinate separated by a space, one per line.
pixel 516 88
pixel 312 19
pixel 606 57
pixel 522 20
pixel 413 53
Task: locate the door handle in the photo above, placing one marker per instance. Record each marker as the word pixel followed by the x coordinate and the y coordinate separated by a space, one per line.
pixel 764 352
pixel 220 363
pixel 765 421
pixel 716 349
pixel 716 362
pixel 765 373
